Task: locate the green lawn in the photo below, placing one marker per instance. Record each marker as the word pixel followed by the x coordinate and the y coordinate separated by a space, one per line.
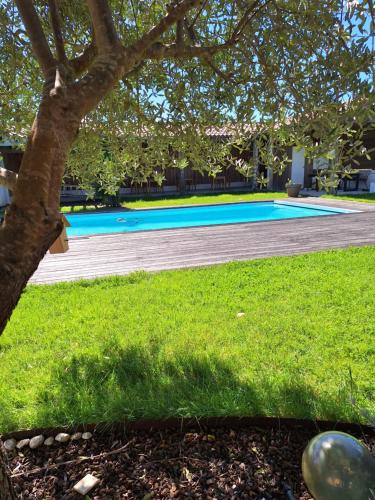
pixel 203 199
pixel 364 197
pixel 170 343
pixel 189 199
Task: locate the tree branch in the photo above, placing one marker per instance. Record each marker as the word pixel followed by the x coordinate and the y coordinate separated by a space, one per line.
pixel 105 34
pixel 57 32
pixel 249 14
pixel 34 30
pixel 82 62
pixel 107 69
pixel 198 14
pixel 175 14
pixel 8 178
pixel 207 58
pixel 180 33
pixel 131 73
pixel 160 51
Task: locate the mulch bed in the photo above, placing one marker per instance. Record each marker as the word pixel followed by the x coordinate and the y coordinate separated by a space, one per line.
pixel 220 463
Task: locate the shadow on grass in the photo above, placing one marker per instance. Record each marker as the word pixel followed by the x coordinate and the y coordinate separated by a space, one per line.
pixel 141 383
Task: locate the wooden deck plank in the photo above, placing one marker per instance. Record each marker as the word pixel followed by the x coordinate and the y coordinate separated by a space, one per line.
pixel 118 254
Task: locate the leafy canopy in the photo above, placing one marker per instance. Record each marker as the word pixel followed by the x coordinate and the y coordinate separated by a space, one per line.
pixel 300 72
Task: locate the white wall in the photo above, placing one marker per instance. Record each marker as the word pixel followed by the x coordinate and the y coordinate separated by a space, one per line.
pixel 4 193
pixel 4 196
pixel 298 166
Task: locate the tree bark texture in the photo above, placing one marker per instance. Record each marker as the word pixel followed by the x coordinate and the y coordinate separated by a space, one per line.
pixel 32 221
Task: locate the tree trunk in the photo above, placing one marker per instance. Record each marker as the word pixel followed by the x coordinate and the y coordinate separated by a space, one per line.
pixel 24 240
pixel 33 221
pixel 6 488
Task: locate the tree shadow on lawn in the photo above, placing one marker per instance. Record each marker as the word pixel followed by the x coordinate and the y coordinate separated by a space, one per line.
pixel 139 383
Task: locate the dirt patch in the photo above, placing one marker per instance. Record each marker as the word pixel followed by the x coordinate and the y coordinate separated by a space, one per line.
pixel 252 463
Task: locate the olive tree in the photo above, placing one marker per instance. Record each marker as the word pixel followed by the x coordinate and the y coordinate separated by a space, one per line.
pixel 94 75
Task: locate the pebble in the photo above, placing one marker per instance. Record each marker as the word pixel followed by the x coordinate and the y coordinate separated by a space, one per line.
pixel 21 444
pixel 10 444
pixel 62 437
pixel 36 441
pixel 76 437
pixel 86 435
pixel 86 484
pixel 49 441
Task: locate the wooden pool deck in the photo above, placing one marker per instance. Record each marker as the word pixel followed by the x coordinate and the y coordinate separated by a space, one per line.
pixel 120 254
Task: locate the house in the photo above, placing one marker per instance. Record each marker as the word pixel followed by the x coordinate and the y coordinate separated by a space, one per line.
pixel 300 170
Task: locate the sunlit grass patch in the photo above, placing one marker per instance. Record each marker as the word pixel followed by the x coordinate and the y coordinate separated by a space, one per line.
pixel 171 344
pixel 180 200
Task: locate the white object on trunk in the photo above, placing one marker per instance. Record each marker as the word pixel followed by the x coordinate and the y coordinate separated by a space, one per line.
pixel 4 196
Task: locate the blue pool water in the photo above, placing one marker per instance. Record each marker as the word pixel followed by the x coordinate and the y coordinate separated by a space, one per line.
pixel 167 218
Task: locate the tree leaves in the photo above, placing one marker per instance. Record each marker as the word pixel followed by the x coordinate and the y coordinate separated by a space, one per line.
pixel 300 74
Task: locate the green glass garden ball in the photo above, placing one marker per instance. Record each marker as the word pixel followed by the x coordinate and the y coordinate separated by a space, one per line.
pixel 336 466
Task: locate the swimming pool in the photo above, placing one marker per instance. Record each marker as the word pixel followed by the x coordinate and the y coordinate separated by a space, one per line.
pixel 202 215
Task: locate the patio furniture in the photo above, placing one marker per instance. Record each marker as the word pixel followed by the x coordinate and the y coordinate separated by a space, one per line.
pixel 155 187
pixel 220 182
pixel 345 181
pixel 363 176
pixel 139 187
pixel 190 184
pixel 250 181
pixel 72 200
pixel 315 183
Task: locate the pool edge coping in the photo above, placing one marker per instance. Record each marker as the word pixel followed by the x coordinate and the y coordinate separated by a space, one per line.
pixel 331 213
pixel 192 205
pixel 336 210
